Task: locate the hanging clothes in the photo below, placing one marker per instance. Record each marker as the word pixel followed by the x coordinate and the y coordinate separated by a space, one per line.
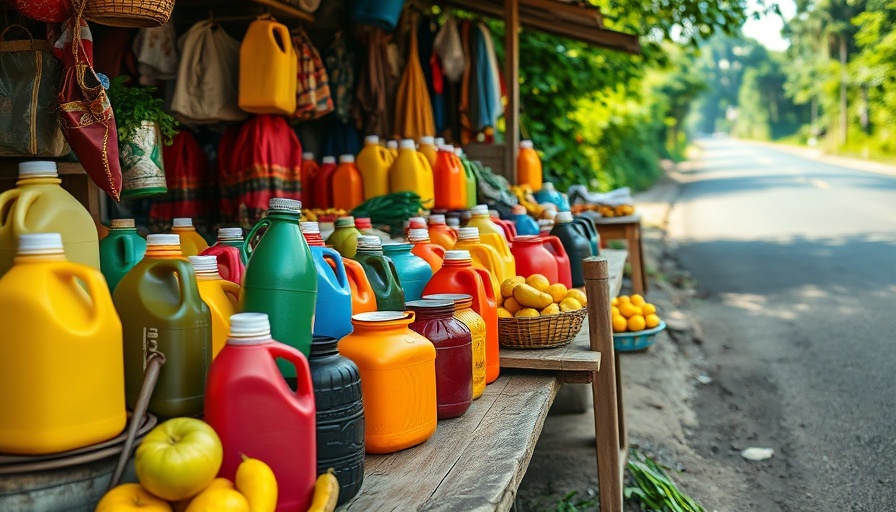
pixel 488 86
pixel 432 70
pixel 413 108
pixel 466 122
pixel 371 108
pixel 156 50
pixel 449 48
pixel 338 61
pixel 190 182
pixel 313 97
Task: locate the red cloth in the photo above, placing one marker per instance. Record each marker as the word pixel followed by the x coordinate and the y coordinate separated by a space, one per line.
pixel 190 181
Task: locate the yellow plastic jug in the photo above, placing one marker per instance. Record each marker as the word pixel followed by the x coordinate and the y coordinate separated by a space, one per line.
pixel 392 146
pixel 484 256
pixel 268 69
pixel 221 296
pixel 428 147
pixel 374 161
pixel 61 361
pixel 39 204
pixel 529 166
pixel 411 171
pixel 191 242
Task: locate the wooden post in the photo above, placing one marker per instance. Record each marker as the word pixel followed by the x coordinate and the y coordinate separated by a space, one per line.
pixel 608 419
pixel 512 75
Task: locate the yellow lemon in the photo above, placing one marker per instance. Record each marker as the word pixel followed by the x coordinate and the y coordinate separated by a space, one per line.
pixel 539 282
pixel 579 295
pixel 508 285
pixel 511 305
pixel 636 323
pixel 637 300
pixel 648 309
pixel 620 324
pixel 624 299
pixel 651 321
pixel 615 311
pixel 526 312
pixel 615 301
pixel 627 310
pixel 503 313
pixel 529 297
pixel 552 309
pixel 557 291
pixel 570 305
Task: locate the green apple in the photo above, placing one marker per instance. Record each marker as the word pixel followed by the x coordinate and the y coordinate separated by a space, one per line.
pixel 178 458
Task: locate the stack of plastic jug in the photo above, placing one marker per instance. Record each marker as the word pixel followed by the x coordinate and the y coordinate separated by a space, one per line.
pixel 162 311
pixel 340 416
pixel 256 414
pixel 222 298
pixel 411 172
pixel 374 162
pixel 230 254
pixel 529 170
pixel 450 181
pixel 577 246
pixel 322 186
pixel 398 380
pixel 413 271
pixel 308 174
pixel 191 242
pixel 463 311
pixel 281 279
pixel 39 204
pixel 430 252
pixel 381 273
pixel 428 147
pixel 363 299
pixel 457 275
pixel 268 66
pixel 120 250
pixel 345 238
pixel 525 225
pixel 548 194
pixel 348 185
pixel 484 257
pixel 61 370
pixel 440 233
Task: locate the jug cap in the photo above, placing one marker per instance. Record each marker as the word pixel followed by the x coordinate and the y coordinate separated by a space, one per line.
pixel 372 139
pixel 285 204
pixel 436 219
pixel 548 214
pixel 40 243
pixel 249 329
pixel 458 298
pixel 204 264
pixel 563 217
pixel 382 316
pixel 328 160
pixel 310 227
pixel 407 144
pixel 392 144
pixel 458 151
pixel 480 209
pixel 308 155
pixel 518 209
pixel 439 141
pixel 468 233
pixel 346 159
pixel 122 224
pixel 38 169
pixel 548 186
pixel 418 235
pixel 453 222
pixel 396 247
pixel 230 233
pixel 457 255
pixel 526 144
pixel 431 306
pixel 417 220
pixel 345 222
pixel 182 222
pixel 163 239
pixel 427 139
pixel 369 243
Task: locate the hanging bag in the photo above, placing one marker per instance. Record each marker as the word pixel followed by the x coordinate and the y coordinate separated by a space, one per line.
pixel 29 75
pixel 86 114
pixel 312 83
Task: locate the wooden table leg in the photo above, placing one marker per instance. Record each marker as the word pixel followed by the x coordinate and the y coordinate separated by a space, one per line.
pixel 636 257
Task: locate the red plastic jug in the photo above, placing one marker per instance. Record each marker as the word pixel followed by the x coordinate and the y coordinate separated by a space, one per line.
pixel 533 258
pixel 230 266
pixel 309 172
pixel 432 253
pixel 457 275
pixel 323 183
pixel 256 414
pixel 507 225
pixel 564 271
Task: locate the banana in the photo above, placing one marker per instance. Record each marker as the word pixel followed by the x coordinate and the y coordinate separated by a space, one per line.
pixel 326 493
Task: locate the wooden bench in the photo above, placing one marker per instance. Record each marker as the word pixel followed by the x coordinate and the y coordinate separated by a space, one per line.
pixel 476 462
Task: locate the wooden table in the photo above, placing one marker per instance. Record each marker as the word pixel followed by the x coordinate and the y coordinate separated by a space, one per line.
pixel 627 228
pixel 476 462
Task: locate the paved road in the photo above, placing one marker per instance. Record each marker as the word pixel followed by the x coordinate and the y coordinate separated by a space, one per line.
pixel 798 262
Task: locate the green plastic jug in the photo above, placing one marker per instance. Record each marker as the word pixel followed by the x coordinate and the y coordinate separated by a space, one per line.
pixel 281 279
pixel 345 237
pixel 381 273
pixel 120 250
pixel 161 311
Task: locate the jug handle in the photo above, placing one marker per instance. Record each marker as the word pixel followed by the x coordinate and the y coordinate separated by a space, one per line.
pixel 189 290
pixel 424 162
pixel 389 266
pixel 127 245
pixel 232 291
pixel 467 278
pixel 360 277
pixel 439 251
pixel 95 286
pixel 339 267
pixel 487 285
pixel 285 39
pixel 26 198
pixel 384 154
pixel 248 248
pixel 303 385
pixel 556 245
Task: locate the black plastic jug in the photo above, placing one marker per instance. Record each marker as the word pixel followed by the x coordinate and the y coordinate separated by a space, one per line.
pixel 577 246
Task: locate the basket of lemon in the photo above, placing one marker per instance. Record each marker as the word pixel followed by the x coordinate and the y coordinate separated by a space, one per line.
pixel 635 323
pixel 534 313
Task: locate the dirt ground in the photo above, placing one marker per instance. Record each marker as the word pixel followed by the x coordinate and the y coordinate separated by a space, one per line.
pixel 659 386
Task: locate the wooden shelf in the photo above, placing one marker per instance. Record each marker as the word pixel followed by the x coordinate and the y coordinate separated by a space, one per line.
pixel 191 11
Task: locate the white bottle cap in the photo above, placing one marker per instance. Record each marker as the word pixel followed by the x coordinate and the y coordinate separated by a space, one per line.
pixel 372 139
pixel 285 204
pixel 310 227
pixel 122 223
pixel 436 219
pixel 369 243
pixel 439 141
pixel 563 217
pixel 480 209
pixel 471 233
pixel 418 235
pixel 457 255
pixel 549 214
pixel 38 169
pixel 426 139
pixel 392 144
pixel 163 239
pixel 418 220
pixel 249 329
pixel 308 156
pixel 204 264
pixel 458 152
pixel 548 186
pixel 40 243
pixel 230 233
pixel 526 144
pixel 182 222
pixel 345 222
pixel 407 144
pixel 447 147
pixel 328 160
pixel 346 159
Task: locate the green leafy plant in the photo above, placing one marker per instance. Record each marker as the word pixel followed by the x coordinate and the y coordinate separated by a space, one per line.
pixel 133 105
pixel 653 488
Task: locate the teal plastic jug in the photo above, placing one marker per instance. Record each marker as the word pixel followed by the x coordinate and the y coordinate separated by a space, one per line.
pixel 413 271
pixel 281 279
pixel 233 237
pixel 381 273
pixel 587 227
pixel 120 250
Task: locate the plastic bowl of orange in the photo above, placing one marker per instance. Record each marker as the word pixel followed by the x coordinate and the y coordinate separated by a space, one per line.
pixel 638 340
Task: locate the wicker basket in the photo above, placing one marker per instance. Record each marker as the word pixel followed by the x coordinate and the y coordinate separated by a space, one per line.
pixel 541 332
pixel 129 13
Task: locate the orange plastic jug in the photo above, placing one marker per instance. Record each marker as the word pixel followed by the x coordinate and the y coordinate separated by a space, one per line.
pixel 39 204
pixel 440 233
pixel 61 363
pixel 459 276
pixel 432 253
pixel 323 183
pixel 348 185
pixel 398 380
pixel 529 166
pixel 268 69
pixel 450 181
pixel 484 256
pixel 309 172
pixel 428 148
pixel 191 242
pixel 221 296
pixel 374 161
pixel 363 298
pixel 411 171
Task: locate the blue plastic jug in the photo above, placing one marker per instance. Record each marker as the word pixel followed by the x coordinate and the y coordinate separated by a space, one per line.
pixel 525 225
pixel 548 194
pixel 413 271
pixel 333 309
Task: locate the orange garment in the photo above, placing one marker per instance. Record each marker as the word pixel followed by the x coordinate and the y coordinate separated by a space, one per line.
pixel 413 109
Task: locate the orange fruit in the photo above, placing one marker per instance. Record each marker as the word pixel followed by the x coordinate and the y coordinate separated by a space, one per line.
pixel 624 299
pixel 648 309
pixel 638 300
pixel 620 324
pixel 651 321
pixel 627 310
pixel 615 301
pixel 615 311
pixel 511 305
pixel 636 323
